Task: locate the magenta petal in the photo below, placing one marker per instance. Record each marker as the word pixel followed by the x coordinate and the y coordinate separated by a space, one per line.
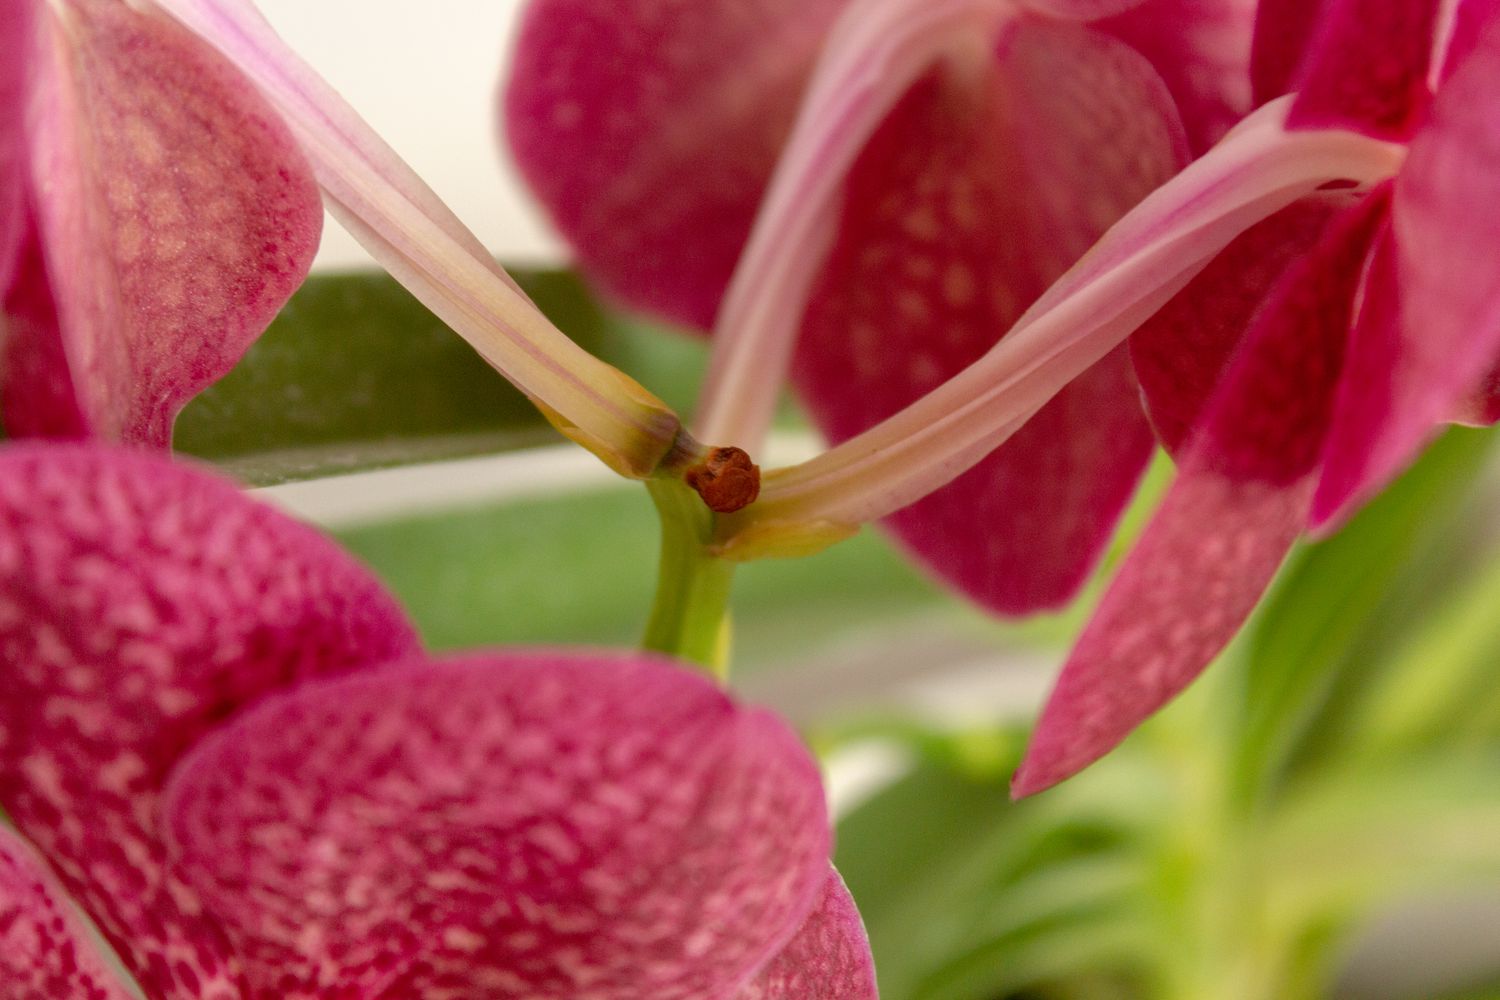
pixel 1367 68
pixel 1185 589
pixel 509 825
pixel 650 130
pixel 1469 22
pixel 1371 397
pixel 968 201
pixel 1182 352
pixel 176 214
pixel 141 602
pixel 1202 51
pixel 37 394
pixel 15 64
pixel 829 959
pixel 1079 10
pixel 45 953
pixel 1239 501
pixel 1283 31
pixel 1480 408
pixel 1433 330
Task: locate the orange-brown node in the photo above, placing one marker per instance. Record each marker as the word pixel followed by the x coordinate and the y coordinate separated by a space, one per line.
pixel 726 479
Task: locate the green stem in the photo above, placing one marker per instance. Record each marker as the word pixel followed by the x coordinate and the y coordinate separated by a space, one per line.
pixel 690 616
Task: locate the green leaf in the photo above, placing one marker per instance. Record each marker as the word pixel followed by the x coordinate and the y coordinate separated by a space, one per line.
pixel 1362 835
pixel 1319 625
pixel 355 374
pixel 956 883
pixel 1440 690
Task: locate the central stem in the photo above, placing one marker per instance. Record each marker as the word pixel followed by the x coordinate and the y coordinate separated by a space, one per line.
pixel 690 615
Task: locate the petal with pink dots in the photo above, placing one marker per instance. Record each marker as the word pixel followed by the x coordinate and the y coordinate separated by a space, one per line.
pixel 141 603
pixel 981 187
pixel 173 216
pixel 44 949
pixel 1240 499
pixel 828 959
pixel 508 825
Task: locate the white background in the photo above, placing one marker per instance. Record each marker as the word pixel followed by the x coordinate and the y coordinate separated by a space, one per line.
pixel 425 75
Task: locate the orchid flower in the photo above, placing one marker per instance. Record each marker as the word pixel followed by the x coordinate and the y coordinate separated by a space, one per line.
pixel 221 739
pixel 155 213
pixel 874 191
pixel 1382 328
pixel 1358 211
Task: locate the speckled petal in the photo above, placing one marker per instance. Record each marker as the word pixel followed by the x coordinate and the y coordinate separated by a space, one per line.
pixel 1182 353
pixel 1239 501
pixel 571 825
pixel 141 603
pixel 45 953
pixel 829 959
pixel 1436 343
pixel 1366 68
pixel 975 194
pixel 649 129
pixel 176 215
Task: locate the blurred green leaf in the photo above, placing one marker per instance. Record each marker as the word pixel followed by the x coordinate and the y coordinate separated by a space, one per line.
pixel 355 373
pixel 1328 601
pixel 1440 690
pixel 1362 835
pixel 956 883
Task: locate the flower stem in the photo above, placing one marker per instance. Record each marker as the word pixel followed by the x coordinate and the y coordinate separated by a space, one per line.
pixel 1140 263
pixel 690 615
pixel 388 208
pixel 877 50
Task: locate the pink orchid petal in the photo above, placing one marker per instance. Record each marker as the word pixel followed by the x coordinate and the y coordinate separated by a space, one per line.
pixel 1481 408
pixel 508 825
pixel 829 959
pixel 1135 269
pixel 1182 352
pixel 1370 394
pixel 15 65
pixel 1367 68
pixel 1284 29
pixel 1464 26
pixel 176 214
pixel 972 196
pixel 1078 10
pixel 652 160
pixel 37 394
pixel 1237 506
pixel 1431 349
pixel 1202 51
pixel 141 602
pixel 45 953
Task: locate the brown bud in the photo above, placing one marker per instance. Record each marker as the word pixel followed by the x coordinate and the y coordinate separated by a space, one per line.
pixel 726 480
